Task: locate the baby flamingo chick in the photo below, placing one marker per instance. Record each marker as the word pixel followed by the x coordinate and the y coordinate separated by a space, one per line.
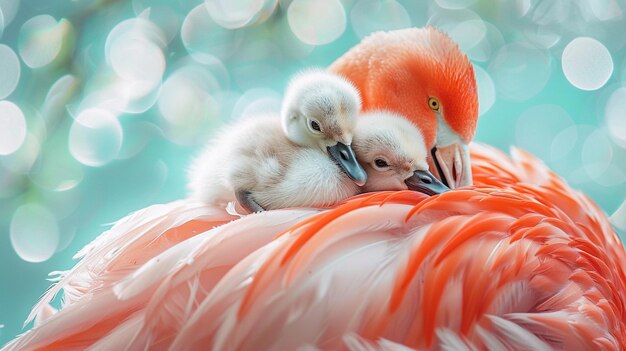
pixel 302 159
pixel 394 154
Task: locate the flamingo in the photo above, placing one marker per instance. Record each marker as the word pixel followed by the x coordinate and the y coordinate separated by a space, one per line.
pixel 518 261
pixel 423 75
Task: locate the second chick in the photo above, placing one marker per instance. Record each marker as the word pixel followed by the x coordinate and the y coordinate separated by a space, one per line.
pixel 394 154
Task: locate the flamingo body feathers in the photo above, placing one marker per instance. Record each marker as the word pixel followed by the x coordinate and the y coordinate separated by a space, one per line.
pixel 518 261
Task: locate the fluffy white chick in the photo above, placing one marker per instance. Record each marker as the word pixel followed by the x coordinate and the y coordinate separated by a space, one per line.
pixel 394 154
pixel 301 158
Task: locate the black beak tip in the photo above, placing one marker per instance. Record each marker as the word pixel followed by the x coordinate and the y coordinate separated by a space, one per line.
pixel 425 182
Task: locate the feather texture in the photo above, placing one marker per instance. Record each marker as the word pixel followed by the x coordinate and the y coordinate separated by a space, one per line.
pixel 519 261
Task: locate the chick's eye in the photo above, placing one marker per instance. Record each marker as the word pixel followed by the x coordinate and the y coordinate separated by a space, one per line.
pixel 315 126
pixel 380 163
pixel 433 104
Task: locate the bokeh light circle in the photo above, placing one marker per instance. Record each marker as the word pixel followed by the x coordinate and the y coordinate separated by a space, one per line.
pixel 465 27
pixel 454 4
pixel 163 16
pixel 519 71
pixel 9 71
pixel 143 133
pixel 233 14
pixel 95 137
pixel 133 49
pixel 204 39
pixel 135 28
pixel 390 15
pixel 1 22
pixel 256 102
pixel 12 127
pixel 22 160
pixel 542 37
pixel 604 10
pixel 187 105
pixel 488 44
pixel 138 60
pixel 34 233
pixel 615 116
pixel 612 175
pixel 587 64
pixel 185 95
pixel 563 143
pixel 317 22
pixel 537 127
pixel 597 154
pixel 8 8
pixel 41 39
pixel 58 95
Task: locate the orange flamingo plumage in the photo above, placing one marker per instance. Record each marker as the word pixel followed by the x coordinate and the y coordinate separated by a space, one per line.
pixel 518 261
pixel 402 71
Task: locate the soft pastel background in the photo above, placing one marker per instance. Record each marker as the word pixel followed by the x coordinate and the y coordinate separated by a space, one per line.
pixel 103 103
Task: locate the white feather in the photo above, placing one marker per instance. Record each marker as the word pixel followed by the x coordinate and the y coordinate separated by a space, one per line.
pixel 451 341
pixel 518 337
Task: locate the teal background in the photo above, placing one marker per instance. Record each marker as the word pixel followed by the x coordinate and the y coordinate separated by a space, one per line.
pixel 247 66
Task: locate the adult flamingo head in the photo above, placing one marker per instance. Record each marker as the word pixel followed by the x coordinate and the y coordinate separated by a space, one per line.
pixel 422 74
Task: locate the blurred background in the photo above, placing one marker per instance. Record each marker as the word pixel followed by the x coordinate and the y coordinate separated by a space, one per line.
pixel 104 103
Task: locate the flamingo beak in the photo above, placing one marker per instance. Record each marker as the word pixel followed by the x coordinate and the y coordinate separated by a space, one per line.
pixel 452 164
pixel 425 182
pixel 346 160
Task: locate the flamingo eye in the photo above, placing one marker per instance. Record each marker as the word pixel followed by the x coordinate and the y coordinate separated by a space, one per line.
pixel 433 103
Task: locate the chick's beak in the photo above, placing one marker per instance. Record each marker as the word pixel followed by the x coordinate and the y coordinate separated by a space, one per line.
pixel 344 156
pixel 425 182
pixel 452 164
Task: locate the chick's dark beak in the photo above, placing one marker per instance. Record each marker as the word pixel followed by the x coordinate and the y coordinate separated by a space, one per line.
pixel 344 157
pixel 425 182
